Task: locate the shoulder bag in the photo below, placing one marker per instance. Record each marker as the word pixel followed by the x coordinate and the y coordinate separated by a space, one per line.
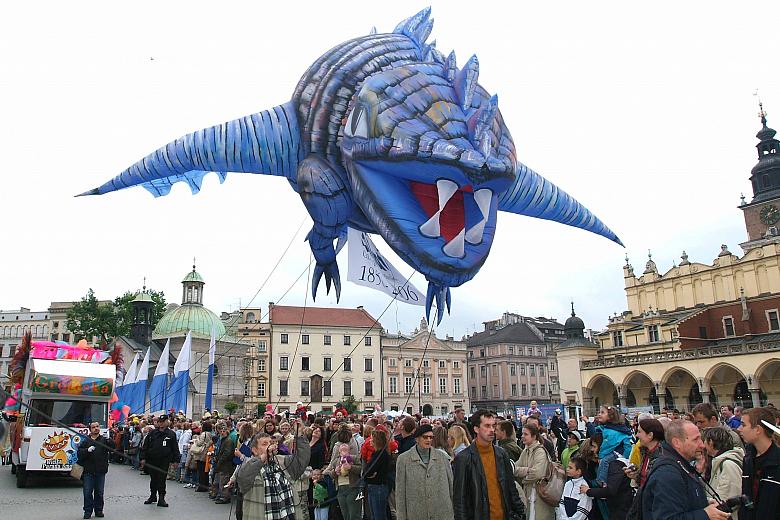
pixel 550 487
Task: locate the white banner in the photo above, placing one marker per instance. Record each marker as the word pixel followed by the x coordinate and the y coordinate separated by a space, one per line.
pixel 367 266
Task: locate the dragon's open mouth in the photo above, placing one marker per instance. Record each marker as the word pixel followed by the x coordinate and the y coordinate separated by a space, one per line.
pixel 451 215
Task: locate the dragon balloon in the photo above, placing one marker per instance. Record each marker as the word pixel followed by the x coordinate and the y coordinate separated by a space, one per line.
pixel 386 135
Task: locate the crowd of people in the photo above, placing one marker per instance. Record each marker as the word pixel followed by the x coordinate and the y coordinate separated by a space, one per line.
pixel 708 464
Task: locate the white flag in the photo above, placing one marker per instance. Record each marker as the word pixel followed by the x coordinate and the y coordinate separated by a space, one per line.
pixel 367 266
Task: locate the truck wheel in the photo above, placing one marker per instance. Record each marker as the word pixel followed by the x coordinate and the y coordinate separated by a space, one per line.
pixel 21 476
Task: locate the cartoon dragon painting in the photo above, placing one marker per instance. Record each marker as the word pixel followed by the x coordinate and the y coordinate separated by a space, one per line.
pixel 386 135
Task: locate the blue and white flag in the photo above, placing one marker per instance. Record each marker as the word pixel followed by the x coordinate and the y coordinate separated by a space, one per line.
pixel 136 397
pixel 210 382
pixel 127 380
pixel 159 386
pixel 180 386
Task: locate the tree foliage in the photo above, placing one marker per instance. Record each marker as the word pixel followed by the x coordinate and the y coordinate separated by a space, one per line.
pixel 350 404
pixel 231 407
pixel 90 318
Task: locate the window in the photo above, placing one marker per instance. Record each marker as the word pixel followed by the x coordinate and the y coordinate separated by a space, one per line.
pixel 483 371
pixel 728 326
pixel 514 389
pixel 391 362
pixel 533 389
pixel 426 385
pixel 369 388
pixel 541 389
pixel 261 365
pixel 524 389
pixel 552 366
pixel 473 373
pixel 261 345
pixel 393 385
pixel 495 390
pixel 444 409
pixel 348 341
pixel 283 339
pixel 703 332
pixel 652 333
pixel 408 385
pixel 541 370
pixel 442 385
pixel 442 363
pixel 367 342
pixel 347 366
pixel 617 338
pixel 511 349
pixel 522 370
pixel 484 391
pixel 326 388
pixel 494 370
pixel 261 389
pixel 539 351
pixel 482 352
pixel 407 362
pixel 473 392
pixel 305 339
pixel 774 323
pixel 326 339
pixel 532 370
pixel 283 363
pixel 327 364
pixel 282 387
pixel 347 387
pixel 456 364
pixel 512 370
pixel 369 365
pixel 305 363
pixel 305 387
pixel 426 363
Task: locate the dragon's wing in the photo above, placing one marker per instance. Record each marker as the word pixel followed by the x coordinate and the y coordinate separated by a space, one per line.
pixel 267 142
pixel 534 196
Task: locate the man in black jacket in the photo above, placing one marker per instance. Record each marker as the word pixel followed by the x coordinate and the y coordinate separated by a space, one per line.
pixel 761 469
pixel 160 448
pixel 473 486
pixel 673 488
pixel 93 455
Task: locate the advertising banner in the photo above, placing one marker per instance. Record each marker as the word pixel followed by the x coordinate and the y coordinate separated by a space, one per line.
pixel 54 449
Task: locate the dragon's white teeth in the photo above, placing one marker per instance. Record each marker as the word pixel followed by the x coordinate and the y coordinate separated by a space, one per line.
pixel 447 189
pixel 483 198
pixel 474 234
pixel 431 228
pixel 456 247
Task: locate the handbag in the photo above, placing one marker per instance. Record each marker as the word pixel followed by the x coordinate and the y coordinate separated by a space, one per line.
pixel 76 470
pixel 550 487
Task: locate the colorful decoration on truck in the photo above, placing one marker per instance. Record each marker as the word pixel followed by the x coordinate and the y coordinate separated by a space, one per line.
pixel 59 450
pixel 70 385
pixel 47 350
pixel 383 134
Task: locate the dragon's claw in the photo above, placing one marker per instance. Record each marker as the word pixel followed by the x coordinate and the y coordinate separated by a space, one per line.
pixel 441 293
pixel 331 272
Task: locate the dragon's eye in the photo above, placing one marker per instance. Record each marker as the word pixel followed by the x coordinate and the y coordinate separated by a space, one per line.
pixel 357 123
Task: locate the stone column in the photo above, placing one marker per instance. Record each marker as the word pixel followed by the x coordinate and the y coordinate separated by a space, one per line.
pixel 705 396
pixel 660 392
pixel 622 392
pixel 754 394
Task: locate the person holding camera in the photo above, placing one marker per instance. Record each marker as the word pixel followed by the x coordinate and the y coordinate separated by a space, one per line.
pixel 93 455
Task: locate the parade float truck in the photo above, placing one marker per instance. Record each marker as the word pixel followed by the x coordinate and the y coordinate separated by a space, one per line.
pixel 65 388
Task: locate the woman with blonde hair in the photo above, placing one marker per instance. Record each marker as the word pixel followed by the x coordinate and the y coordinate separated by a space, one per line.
pixel 441 440
pixel 458 439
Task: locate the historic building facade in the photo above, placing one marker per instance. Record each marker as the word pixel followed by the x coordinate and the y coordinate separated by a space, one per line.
pixel 422 373
pixel 697 332
pixel 246 326
pixel 321 356
pixel 512 362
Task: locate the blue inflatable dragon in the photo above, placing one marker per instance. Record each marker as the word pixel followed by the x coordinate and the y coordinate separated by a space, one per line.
pixel 386 135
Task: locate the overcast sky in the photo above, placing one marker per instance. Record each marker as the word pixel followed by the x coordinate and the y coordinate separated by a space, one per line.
pixel 645 114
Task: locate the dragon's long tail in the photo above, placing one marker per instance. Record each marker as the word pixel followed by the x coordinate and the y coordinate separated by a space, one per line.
pixel 534 196
pixel 265 143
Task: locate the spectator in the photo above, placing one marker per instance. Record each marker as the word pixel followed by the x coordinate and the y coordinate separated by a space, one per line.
pixel 460 420
pixel 589 452
pixel 761 468
pixel 546 443
pixel 199 452
pixel 650 434
pixel 560 431
pixel 347 476
pixel 616 490
pixel 223 463
pixel 575 505
pixel 617 438
pixel 423 480
pixel 573 426
pixel 507 439
pixel 673 488
pixel 530 469
pixel 458 438
pixel 728 417
pixel 405 438
pixel 441 441
pixel 93 453
pixel 726 472
pixel 242 454
pixel 184 448
pixel 572 447
pixel 376 477
pixel 319 449
pixel 706 416
pixel 357 431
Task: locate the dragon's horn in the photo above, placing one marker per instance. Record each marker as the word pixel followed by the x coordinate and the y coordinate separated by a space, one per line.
pixel 534 196
pixel 266 143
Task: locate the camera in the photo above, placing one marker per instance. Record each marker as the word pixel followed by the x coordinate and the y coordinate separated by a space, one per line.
pixel 730 503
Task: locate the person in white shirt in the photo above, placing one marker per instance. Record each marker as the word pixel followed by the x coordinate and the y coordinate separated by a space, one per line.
pixel 574 505
pixel 357 430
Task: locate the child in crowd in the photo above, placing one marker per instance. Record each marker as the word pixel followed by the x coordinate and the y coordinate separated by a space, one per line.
pixel 320 495
pixel 574 504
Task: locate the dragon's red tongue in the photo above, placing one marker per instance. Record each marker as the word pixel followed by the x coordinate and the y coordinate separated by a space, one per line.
pixel 452 219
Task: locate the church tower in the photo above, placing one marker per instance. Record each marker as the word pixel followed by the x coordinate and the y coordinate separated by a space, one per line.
pixel 141 329
pixel 762 214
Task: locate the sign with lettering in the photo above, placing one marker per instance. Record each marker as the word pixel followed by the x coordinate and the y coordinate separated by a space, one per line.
pixel 70 385
pixel 367 266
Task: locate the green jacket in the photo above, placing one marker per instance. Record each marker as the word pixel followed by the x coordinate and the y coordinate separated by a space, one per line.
pixel 511 448
pixel 567 454
pixel 320 494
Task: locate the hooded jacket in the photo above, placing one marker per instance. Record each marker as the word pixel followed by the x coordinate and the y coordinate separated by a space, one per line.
pixel 726 474
pixel 617 437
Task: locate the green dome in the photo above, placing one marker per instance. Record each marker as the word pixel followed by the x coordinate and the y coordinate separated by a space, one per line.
pixel 193 276
pixel 198 319
pixel 143 296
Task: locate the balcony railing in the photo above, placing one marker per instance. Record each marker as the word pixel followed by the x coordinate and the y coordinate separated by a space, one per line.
pixel 678 355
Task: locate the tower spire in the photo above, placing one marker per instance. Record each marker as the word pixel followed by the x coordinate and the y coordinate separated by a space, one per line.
pixel 572 310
